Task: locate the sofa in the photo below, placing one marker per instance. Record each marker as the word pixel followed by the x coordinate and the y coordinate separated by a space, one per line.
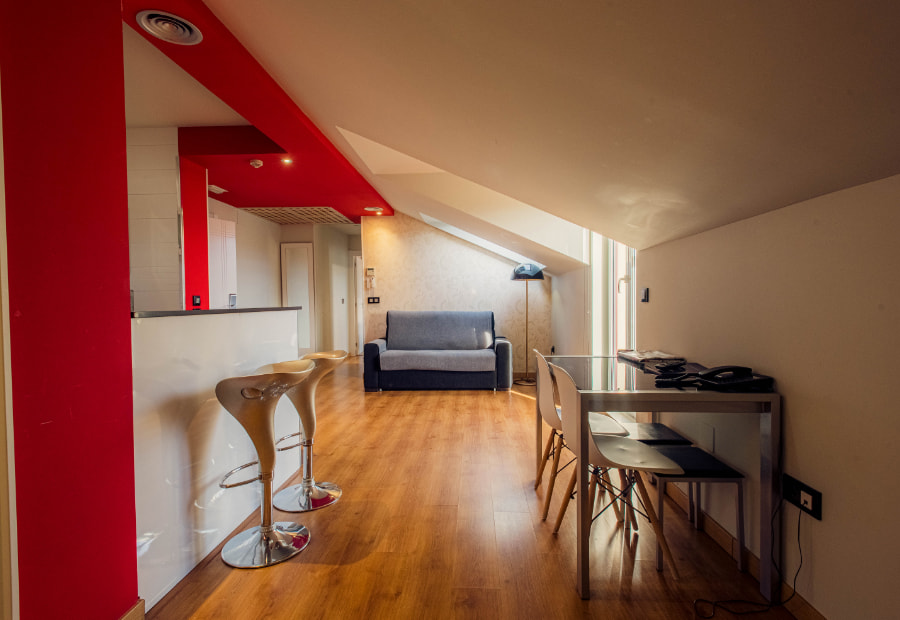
pixel 438 350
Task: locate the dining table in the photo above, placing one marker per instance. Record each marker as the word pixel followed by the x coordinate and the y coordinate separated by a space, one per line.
pixel 609 384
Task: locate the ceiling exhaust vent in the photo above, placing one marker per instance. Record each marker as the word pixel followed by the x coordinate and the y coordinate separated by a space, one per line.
pixel 169 27
pixel 299 215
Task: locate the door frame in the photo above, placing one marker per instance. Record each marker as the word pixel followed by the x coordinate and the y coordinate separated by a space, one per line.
pixel 357 318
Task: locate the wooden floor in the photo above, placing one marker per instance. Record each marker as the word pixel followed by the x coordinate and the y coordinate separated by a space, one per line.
pixel 440 519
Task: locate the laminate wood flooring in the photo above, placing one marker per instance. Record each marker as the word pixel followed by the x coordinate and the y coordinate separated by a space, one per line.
pixel 440 519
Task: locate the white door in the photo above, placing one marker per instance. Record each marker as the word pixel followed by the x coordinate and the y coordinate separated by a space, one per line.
pixel 222 263
pixel 340 308
pixel 297 289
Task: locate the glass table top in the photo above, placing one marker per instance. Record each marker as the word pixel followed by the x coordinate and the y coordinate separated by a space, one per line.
pixel 605 373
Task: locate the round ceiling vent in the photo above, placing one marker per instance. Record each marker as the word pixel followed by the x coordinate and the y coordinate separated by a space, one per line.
pixel 169 27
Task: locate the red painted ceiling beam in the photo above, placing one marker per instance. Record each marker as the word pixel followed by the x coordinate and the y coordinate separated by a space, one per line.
pixel 222 64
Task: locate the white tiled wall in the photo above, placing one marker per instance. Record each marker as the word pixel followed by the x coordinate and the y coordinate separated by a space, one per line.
pixel 156 270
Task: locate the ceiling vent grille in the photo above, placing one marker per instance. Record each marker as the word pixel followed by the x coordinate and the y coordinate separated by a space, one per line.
pixel 169 27
pixel 299 215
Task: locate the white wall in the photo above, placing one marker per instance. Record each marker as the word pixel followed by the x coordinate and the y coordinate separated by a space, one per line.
pixel 258 256
pixel 570 332
pixel 258 262
pixel 808 295
pixel 297 233
pixel 153 205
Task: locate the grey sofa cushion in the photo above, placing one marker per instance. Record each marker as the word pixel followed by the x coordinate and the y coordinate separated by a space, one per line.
pixel 418 331
pixel 449 360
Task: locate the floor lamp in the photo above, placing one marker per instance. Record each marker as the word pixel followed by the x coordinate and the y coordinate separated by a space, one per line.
pixel 527 272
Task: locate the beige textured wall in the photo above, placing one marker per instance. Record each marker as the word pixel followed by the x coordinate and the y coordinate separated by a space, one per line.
pixel 418 267
pixel 807 294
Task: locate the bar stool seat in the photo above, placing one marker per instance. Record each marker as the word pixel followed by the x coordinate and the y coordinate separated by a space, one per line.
pixel 251 400
pixel 309 494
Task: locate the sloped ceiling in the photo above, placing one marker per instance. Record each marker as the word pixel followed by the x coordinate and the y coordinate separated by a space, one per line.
pixel 645 121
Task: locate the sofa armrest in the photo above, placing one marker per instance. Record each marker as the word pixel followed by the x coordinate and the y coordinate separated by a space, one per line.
pixel 503 349
pixel 371 364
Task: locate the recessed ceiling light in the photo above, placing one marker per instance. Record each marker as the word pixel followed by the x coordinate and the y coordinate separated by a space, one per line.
pixel 169 27
pixel 287 160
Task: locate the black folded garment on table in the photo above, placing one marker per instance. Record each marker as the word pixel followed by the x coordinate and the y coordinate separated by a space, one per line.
pixel 732 379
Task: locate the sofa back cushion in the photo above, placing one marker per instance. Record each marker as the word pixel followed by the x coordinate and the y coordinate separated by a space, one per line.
pixel 425 330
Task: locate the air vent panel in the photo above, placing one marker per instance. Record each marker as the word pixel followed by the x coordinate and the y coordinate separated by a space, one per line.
pixel 299 215
pixel 169 27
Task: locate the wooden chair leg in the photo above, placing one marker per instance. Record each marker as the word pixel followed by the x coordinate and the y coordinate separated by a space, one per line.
pixel 568 496
pixel 544 459
pixel 612 493
pixel 654 523
pixel 630 518
pixel 660 501
pixel 698 507
pixel 553 474
pixel 740 526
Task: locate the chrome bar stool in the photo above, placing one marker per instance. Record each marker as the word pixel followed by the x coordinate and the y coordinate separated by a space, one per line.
pixel 309 494
pixel 252 400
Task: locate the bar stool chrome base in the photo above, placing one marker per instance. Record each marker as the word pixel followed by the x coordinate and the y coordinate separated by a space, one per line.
pixel 306 497
pixel 254 549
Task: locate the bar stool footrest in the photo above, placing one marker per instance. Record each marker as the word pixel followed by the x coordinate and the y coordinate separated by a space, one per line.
pixel 223 485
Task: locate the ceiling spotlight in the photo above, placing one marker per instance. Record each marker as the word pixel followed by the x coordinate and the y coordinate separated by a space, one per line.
pixel 256 163
pixel 169 27
pixel 287 160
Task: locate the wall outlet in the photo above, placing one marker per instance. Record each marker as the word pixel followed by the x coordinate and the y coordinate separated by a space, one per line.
pixel 802 496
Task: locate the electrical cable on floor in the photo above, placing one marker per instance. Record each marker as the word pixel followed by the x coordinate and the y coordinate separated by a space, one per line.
pixel 756 608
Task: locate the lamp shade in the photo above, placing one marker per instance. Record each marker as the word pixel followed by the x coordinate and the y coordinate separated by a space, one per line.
pixel 527 271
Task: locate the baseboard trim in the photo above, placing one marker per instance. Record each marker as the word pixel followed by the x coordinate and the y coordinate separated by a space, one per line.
pixel 798 606
pixel 135 613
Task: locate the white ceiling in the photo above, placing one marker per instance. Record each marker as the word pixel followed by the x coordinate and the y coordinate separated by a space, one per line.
pixel 645 121
pixel 159 94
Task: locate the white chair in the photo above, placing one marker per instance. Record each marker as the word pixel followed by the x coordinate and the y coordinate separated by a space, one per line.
pixel 611 452
pixel 252 400
pixel 546 403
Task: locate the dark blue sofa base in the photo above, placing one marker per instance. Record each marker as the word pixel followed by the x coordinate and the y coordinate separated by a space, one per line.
pixel 434 380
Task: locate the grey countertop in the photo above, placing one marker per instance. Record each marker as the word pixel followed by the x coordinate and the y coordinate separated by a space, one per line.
pixel 148 314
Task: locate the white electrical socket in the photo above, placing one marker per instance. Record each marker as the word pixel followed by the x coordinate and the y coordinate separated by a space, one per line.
pixel 806 500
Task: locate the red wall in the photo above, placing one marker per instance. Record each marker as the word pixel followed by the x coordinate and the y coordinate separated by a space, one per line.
pixel 67 228
pixel 195 219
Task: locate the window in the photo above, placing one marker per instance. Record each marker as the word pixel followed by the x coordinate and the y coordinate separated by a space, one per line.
pixel 613 298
